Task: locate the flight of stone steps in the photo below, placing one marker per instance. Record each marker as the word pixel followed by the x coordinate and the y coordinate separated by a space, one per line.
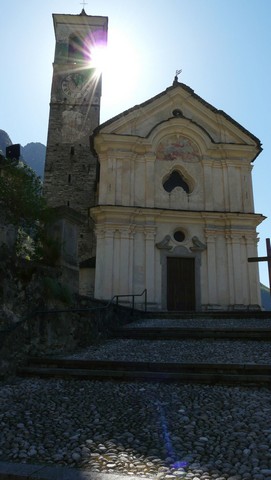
pixel 228 349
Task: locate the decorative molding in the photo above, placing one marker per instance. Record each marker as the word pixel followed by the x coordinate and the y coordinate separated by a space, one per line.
pixel 198 246
pixel 164 244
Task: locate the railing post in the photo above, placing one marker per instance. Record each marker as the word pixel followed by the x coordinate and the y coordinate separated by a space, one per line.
pixel 145 299
pixel 133 304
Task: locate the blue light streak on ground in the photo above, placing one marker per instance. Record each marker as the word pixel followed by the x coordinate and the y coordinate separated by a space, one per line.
pixel 167 440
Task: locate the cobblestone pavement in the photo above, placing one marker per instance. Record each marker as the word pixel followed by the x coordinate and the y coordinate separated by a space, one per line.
pixel 165 431
pixel 161 431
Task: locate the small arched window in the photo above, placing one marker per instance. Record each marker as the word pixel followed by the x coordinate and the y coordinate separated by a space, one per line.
pixel 77 49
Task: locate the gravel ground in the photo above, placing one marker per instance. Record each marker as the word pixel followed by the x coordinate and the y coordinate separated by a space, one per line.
pixel 162 431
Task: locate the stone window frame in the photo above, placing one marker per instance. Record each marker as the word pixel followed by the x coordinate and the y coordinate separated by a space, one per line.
pixel 180 251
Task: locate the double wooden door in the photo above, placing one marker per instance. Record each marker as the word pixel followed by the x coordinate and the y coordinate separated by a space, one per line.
pixel 181 283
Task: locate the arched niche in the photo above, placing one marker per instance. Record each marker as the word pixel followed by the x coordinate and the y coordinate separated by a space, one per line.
pixel 178 147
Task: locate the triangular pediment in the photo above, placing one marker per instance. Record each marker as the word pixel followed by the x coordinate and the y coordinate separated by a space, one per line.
pixel 180 104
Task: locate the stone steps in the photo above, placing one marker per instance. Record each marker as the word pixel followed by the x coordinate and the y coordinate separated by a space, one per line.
pixel 178 333
pixel 107 367
pixel 146 371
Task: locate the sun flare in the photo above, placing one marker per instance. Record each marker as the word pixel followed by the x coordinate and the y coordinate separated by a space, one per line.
pixel 119 65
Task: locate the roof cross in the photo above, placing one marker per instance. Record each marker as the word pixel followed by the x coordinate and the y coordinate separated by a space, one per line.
pixel 265 259
pixel 83 3
pixel 177 73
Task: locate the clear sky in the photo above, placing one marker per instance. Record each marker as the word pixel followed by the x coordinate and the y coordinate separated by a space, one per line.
pixel 222 46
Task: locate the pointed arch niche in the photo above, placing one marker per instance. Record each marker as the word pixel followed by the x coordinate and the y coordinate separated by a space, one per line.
pixel 175 179
pixel 178 167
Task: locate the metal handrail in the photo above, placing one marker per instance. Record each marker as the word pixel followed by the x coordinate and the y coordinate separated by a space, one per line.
pixel 133 298
pixel 69 310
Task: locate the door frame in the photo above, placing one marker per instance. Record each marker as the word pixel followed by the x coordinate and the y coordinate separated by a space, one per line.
pixel 180 252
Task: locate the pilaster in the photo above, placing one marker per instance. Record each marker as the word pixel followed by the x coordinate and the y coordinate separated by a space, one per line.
pixel 150 233
pixel 230 268
pixel 211 267
pixel 150 190
pixel 108 261
pixel 237 269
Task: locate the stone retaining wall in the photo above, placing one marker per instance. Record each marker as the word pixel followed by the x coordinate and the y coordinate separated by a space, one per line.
pixel 57 332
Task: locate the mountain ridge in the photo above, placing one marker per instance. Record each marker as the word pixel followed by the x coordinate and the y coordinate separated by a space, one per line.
pixel 32 154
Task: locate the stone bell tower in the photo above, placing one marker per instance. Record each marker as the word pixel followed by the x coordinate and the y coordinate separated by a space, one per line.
pixel 71 167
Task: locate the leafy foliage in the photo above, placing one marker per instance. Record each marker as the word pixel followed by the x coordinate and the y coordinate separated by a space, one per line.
pixel 23 206
pixel 20 194
pixel 55 290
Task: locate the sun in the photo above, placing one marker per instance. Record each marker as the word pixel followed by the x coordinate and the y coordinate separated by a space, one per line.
pixel 99 59
pixel 118 63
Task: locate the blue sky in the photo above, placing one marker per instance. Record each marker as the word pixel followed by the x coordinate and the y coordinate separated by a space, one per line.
pixel 222 47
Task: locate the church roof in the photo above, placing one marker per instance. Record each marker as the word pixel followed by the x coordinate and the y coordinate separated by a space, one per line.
pixel 190 91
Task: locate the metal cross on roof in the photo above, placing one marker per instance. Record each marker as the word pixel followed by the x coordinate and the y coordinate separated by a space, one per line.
pixel 176 76
pixel 265 259
pixel 83 3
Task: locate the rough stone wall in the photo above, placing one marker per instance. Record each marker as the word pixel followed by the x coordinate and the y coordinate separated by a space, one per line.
pixel 70 167
pixel 54 332
pixel 70 179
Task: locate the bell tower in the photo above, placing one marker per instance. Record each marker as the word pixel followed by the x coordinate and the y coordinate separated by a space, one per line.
pixel 70 166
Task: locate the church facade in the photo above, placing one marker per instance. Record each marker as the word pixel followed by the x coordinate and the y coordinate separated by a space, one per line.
pixel 173 209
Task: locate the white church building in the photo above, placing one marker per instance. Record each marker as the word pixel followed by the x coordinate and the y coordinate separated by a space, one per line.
pixel 165 188
pixel 175 212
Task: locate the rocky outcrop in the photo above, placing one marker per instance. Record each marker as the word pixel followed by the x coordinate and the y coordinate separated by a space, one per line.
pixel 33 153
pixel 5 141
pixel 24 289
pixel 39 315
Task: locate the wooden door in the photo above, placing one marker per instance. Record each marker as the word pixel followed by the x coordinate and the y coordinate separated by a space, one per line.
pixel 181 283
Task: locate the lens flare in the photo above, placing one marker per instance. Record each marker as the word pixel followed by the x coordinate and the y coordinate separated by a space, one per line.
pixel 167 440
pixel 98 59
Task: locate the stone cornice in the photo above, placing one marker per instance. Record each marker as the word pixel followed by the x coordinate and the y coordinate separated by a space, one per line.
pixel 132 144
pixel 114 213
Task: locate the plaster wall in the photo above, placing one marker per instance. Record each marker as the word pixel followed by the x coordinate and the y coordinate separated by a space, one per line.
pixel 137 180
pixel 132 260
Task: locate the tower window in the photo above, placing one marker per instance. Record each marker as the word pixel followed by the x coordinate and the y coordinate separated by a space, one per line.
pixel 78 50
pixel 69 178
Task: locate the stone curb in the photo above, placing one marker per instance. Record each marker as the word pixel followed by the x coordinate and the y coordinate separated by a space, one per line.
pixel 23 471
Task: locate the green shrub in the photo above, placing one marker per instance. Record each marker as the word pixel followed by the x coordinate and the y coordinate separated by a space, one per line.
pixel 55 291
